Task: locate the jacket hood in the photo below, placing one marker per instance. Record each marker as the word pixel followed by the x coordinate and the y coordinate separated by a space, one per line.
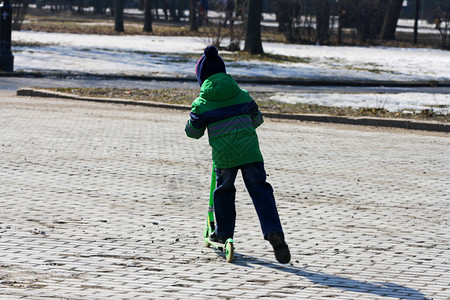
pixel 219 87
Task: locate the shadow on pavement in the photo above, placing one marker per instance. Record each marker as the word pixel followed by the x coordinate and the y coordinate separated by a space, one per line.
pixel 384 289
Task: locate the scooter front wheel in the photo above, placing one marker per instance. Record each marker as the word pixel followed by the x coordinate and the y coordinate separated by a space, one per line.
pixel 229 251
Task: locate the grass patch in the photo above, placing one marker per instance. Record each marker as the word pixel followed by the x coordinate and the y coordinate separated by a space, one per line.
pixel 71 22
pixel 30 44
pixel 186 96
pixel 267 57
pixel 131 28
pixel 170 96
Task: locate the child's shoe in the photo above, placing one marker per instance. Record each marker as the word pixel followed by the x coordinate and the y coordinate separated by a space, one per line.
pixel 281 249
pixel 214 237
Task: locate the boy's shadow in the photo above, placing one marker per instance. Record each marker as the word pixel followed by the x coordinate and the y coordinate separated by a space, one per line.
pixel 377 288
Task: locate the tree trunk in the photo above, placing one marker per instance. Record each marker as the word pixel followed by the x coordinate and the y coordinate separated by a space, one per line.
pixel 97 7
pixel 253 43
pixel 148 16
pixel 193 24
pixel 118 15
pixel 391 19
pixel 173 11
pixel 322 21
pixel 416 21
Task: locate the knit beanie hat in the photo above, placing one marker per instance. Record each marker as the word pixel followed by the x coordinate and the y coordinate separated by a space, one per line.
pixel 209 64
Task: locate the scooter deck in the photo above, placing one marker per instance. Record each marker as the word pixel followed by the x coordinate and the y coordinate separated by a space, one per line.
pixel 227 248
pixel 217 245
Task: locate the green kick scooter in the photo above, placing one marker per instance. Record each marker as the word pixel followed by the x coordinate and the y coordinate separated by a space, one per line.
pixel 228 247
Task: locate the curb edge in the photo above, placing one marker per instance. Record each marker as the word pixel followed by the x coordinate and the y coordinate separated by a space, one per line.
pixel 361 121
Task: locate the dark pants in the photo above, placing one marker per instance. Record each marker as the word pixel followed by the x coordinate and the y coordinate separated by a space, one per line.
pixel 260 191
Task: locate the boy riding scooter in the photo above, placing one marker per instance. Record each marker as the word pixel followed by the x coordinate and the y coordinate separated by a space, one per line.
pixel 231 117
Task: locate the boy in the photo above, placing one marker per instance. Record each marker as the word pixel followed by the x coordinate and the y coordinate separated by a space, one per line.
pixel 231 116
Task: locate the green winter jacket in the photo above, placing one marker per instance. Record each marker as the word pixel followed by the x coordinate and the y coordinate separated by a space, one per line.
pixel 231 117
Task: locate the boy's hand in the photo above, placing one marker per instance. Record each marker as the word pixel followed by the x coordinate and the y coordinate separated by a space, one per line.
pixel 193 132
pixel 257 119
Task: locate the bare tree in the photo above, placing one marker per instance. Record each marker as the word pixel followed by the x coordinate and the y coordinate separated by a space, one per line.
pixel 236 29
pixel 173 4
pixel 193 23
pixel 81 6
pixel 118 15
pixel 391 19
pixel 416 21
pixel 19 10
pixel 284 15
pixel 322 8
pixel 98 8
pixel 215 31
pixel 442 23
pixel 364 15
pixel 253 42
pixel 148 16
pixel 295 19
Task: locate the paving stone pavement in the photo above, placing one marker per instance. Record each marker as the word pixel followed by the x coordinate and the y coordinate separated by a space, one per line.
pixel 105 201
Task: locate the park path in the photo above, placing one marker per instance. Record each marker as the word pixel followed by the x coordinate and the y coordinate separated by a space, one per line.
pixel 105 201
